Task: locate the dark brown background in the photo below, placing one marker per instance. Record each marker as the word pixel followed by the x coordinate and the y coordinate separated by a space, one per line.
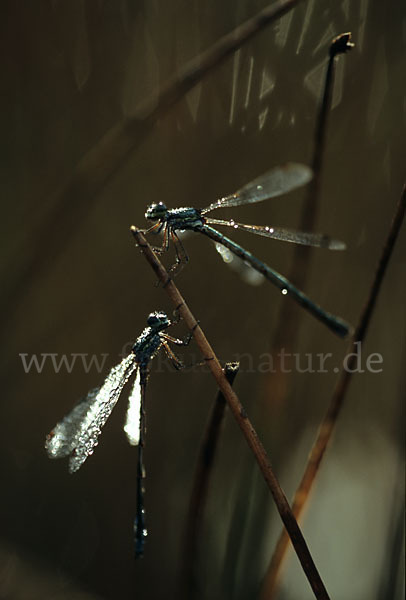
pixel 70 71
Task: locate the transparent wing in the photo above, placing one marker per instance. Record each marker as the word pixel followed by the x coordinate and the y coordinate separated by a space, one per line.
pixel 86 438
pixel 60 440
pixel 132 423
pixel 275 182
pixel 247 273
pixel 318 240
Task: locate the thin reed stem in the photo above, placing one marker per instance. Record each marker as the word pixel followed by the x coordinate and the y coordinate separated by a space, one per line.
pixel 240 415
pixel 200 486
pixel 329 422
pixel 288 318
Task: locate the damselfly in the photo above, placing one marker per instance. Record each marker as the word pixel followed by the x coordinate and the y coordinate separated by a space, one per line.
pixel 275 182
pixel 78 433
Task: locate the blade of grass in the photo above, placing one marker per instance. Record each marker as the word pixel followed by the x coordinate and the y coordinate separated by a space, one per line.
pixel 241 417
pixel 200 486
pixel 329 422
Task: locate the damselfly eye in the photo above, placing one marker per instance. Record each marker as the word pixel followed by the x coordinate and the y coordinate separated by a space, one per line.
pixel 158 320
pixel 156 211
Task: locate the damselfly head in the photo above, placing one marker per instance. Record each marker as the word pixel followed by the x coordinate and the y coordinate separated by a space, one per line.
pixel 156 212
pixel 158 320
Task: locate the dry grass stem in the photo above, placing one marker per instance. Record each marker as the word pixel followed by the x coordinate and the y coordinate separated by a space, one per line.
pixel 241 417
pixel 328 424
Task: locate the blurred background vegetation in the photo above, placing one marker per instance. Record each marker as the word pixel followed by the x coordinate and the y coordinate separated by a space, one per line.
pixel 70 72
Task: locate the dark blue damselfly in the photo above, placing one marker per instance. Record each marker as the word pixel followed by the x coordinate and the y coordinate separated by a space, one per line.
pixel 275 182
pixel 78 433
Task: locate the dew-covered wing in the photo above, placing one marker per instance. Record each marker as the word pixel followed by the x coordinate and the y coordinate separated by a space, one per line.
pixel 132 423
pixel 275 182
pixel 87 436
pixel 60 441
pixel 77 434
pixel 319 240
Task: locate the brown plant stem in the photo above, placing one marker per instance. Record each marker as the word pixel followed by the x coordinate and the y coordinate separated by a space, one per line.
pixel 288 319
pixel 241 417
pixel 75 197
pixel 200 486
pixel 328 424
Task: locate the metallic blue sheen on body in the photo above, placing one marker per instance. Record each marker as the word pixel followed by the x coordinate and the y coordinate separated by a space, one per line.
pixel 180 219
pixel 275 182
pixel 149 341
